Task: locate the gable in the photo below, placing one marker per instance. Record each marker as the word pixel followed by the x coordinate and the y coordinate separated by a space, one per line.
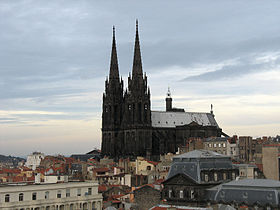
pixel 179 179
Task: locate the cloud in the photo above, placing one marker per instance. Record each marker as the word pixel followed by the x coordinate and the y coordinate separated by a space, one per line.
pixel 55 56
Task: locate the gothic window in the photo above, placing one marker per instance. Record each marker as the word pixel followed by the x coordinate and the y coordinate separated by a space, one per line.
pixel 210 145
pixel 219 145
pixel 146 107
pixel 215 145
pixel 224 144
pixel 20 197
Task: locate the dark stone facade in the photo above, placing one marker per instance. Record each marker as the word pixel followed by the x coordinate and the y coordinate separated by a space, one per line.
pixel 131 129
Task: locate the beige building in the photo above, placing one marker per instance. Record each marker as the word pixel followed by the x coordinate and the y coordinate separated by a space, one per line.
pixel 247 171
pixel 270 161
pixel 222 145
pixel 144 167
pixel 60 196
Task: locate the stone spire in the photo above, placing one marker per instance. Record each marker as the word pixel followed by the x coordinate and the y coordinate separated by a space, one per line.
pixel 114 69
pixel 137 63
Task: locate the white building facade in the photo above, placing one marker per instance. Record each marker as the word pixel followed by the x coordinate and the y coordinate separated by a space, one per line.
pixel 34 160
pixel 60 196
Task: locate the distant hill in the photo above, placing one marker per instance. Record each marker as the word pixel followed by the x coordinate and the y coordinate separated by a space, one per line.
pixel 10 159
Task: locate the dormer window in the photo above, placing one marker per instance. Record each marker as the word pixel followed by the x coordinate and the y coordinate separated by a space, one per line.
pixel 206 178
pixel 215 177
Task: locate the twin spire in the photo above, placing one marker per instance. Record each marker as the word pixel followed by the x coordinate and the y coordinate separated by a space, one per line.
pixel 137 62
pixel 114 67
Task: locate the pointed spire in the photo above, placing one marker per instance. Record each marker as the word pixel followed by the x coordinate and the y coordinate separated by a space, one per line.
pixel 137 63
pixel 114 69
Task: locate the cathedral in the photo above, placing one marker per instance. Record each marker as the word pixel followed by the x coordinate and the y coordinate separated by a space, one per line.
pixel 130 128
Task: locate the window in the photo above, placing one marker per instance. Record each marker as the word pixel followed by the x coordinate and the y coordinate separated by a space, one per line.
pixel 89 191
pixel 224 176
pixel 20 197
pixel 170 194
pixel 215 177
pixel 233 175
pixel 219 145
pixel 58 195
pixel 224 144
pixel 148 168
pixel 34 196
pixel 47 195
pixel 7 198
pixel 146 107
pixel 181 194
pixel 210 145
pixel 245 195
pixel 192 194
pixel 215 145
pixel 67 192
pixel 79 192
pixel 206 178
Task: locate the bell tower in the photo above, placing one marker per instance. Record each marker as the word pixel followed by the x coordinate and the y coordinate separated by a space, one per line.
pixel 112 105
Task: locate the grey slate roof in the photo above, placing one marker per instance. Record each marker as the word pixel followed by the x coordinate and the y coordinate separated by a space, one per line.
pixel 192 163
pixel 200 153
pixel 254 183
pixel 217 139
pixel 173 119
pixel 251 192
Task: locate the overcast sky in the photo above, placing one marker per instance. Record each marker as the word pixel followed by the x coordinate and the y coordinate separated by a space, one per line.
pixel 55 54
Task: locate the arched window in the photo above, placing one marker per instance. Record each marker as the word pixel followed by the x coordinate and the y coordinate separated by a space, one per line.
pixel 20 197
pixel 7 198
pixel 148 168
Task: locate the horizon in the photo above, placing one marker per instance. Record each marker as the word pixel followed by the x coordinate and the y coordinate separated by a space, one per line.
pixel 55 57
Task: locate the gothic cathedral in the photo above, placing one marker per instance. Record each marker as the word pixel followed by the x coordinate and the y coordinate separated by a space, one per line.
pixel 131 129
